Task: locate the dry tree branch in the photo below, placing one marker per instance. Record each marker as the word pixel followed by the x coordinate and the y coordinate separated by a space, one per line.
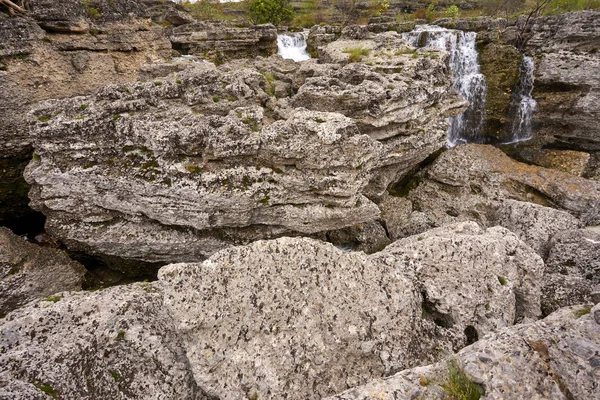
pixel 12 6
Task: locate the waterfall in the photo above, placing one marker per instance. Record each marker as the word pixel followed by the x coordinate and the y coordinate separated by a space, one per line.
pixel 523 104
pixel 468 79
pixel 292 46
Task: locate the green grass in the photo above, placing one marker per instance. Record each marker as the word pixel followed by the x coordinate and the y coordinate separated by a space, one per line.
pixel 459 386
pixel 53 299
pixel 356 54
pixel 582 311
pixel 44 118
pixel 49 390
pixel 120 335
pixel 502 281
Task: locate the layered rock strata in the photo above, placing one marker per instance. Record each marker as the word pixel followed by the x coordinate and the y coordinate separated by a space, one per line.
pixel 63 49
pixel 178 167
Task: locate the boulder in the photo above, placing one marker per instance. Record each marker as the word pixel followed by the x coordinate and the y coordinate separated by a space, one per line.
pixel 575 252
pixel 297 318
pixel 115 343
pixel 208 157
pixel 560 290
pixel 555 358
pixel 535 224
pixel 29 272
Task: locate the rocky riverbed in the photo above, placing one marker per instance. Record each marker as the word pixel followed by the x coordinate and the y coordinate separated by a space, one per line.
pixel 293 230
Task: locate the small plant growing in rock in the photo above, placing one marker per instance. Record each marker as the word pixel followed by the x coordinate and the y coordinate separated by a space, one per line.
pixel 502 281
pixel 319 120
pixel 216 99
pixel 120 335
pixel 582 311
pixel 44 118
pixel 356 54
pixel 459 386
pixel 49 390
pixel 91 11
pixel 53 299
pixel 115 375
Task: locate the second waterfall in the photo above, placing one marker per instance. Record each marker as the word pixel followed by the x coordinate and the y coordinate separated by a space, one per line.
pixel 468 79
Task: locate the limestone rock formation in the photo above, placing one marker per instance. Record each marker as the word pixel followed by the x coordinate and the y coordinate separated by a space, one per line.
pixel 63 50
pixel 575 252
pixel 555 358
pixel 178 167
pixel 534 224
pixel 469 182
pixel 116 343
pixel 221 41
pixel 29 272
pixel 567 85
pixel 288 318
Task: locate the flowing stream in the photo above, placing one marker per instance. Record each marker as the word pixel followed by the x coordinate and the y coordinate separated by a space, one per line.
pixel 468 79
pixel 523 104
pixel 293 46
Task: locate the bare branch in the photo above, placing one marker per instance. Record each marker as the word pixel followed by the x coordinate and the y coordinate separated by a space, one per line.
pixel 12 6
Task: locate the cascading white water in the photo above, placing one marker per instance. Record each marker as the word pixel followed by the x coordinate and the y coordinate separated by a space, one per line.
pixel 468 79
pixel 523 104
pixel 292 46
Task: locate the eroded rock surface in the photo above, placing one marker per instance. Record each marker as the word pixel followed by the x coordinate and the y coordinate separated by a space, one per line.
pixel 118 343
pixel 209 157
pixel 555 358
pixel 29 272
pixel 469 182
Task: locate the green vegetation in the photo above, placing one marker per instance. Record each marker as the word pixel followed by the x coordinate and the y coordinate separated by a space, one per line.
pixel 49 390
pixel 206 10
pixel 193 169
pixel 83 107
pixel 582 311
pixel 91 11
pixel 120 335
pixel 356 54
pixel 44 118
pixel 452 12
pixel 270 11
pixel 53 299
pixel 502 281
pixel 115 375
pixel 458 386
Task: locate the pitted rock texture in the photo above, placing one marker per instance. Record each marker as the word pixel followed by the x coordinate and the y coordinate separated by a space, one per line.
pixel 555 358
pixel 469 182
pixel 292 318
pixel 575 252
pixel 118 343
pixel 559 290
pixel 175 168
pixel 534 224
pixel 29 272
pixel 470 276
pixel 297 318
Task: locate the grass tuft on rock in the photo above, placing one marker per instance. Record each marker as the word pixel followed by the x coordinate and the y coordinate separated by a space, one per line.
pixel 459 386
pixel 356 54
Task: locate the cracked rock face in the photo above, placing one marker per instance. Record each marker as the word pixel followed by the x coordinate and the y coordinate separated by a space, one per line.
pixel 288 318
pixel 29 272
pixel 209 157
pixel 555 358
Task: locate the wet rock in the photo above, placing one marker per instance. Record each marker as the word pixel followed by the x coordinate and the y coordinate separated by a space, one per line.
pixel 567 88
pixel 29 272
pixel 575 252
pixel 114 343
pixel 535 224
pixel 553 358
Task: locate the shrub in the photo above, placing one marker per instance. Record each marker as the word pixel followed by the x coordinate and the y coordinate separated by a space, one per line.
pixel 270 11
pixel 206 10
pixel 356 53
pixel 452 12
pixel 430 13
